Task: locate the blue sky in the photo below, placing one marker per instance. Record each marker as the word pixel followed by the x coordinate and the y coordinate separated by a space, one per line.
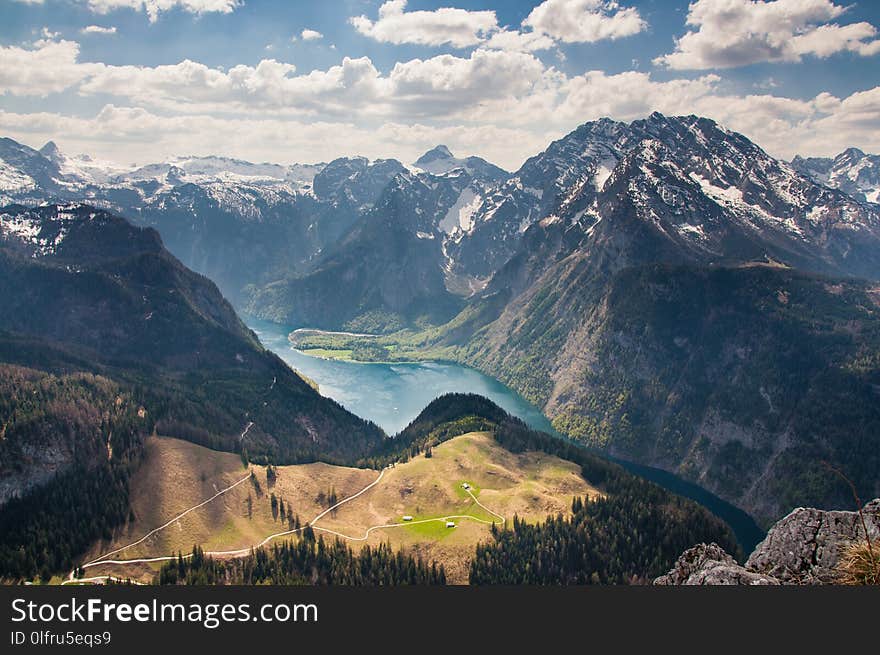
pixel 139 80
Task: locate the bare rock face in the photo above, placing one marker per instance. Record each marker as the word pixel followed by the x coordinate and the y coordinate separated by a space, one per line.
pixel 711 565
pixel 805 547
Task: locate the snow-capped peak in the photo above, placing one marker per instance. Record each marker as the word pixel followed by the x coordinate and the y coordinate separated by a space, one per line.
pixel 441 161
pixel 51 152
pixel 853 171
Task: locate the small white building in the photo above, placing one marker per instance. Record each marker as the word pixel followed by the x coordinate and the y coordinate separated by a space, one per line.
pixel 450 524
pixel 466 486
pixel 407 518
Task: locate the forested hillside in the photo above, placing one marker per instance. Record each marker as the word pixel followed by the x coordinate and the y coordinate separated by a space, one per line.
pixel 68 445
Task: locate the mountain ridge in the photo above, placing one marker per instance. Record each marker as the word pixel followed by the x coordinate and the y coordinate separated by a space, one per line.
pixel 547 264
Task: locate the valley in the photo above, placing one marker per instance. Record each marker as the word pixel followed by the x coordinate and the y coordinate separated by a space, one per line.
pixel 664 291
pixel 389 293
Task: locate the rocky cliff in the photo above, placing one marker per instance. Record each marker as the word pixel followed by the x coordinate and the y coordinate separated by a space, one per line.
pixel 807 547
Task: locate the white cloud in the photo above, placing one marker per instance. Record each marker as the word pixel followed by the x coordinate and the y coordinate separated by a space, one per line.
pixel 584 21
pixel 520 41
pixel 732 33
pixel 438 99
pixel 155 7
pixel 457 27
pixel 450 85
pixel 630 95
pixel 440 87
pixel 135 135
pixel 311 35
pixel 571 21
pixel 48 66
pixel 97 29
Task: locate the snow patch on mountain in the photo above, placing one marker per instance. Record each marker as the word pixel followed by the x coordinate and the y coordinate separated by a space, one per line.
pixel 23 227
pixel 40 234
pixel 460 215
pixel 603 172
pixel 440 161
pixel 13 180
pixel 852 171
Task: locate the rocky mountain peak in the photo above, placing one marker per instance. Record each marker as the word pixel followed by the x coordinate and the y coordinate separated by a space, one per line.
pixel 175 175
pixel 852 171
pixel 852 154
pixel 435 154
pixel 52 151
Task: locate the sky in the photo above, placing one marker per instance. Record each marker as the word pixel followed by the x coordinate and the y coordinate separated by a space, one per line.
pixel 139 81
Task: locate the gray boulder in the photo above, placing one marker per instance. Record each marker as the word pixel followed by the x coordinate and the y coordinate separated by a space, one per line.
pixel 806 546
pixel 711 565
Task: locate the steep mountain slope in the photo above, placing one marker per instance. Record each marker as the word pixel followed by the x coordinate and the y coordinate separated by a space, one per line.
pixel 388 271
pixel 83 289
pixel 710 191
pixel 741 379
pixel 580 162
pixel 355 181
pixel 659 320
pixel 51 423
pixel 852 171
pixel 25 171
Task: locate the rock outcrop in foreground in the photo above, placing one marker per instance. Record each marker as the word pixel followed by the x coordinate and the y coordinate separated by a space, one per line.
pixel 804 548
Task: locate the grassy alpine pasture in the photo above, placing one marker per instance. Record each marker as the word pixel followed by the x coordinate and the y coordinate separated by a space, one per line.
pixel 177 475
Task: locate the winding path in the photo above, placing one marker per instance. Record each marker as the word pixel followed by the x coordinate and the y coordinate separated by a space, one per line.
pixel 103 579
pixel 247 429
pixel 243 552
pixel 165 525
pixel 503 520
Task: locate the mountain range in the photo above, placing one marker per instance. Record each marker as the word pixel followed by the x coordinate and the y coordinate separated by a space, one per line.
pixel 107 341
pixel 664 290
